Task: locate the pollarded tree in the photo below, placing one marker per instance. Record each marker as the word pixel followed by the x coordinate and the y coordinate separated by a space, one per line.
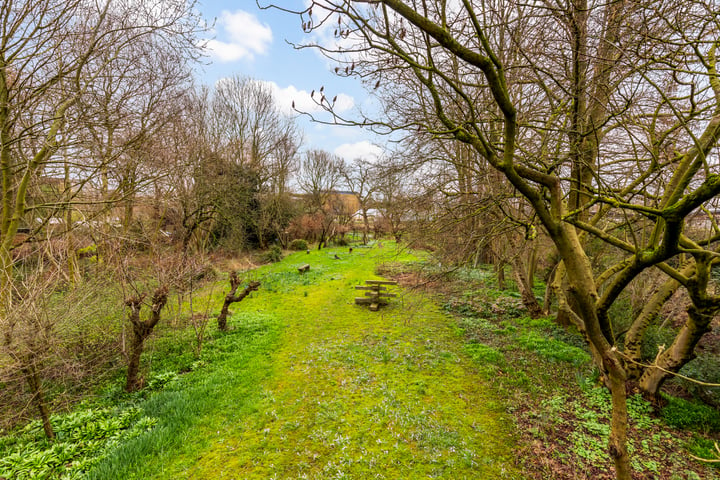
pixel 605 116
pixel 141 330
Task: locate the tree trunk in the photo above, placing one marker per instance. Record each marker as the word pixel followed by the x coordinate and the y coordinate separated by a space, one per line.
pixel 636 333
pixel 526 293
pixel 366 227
pixel 678 354
pixel 38 398
pixel 532 266
pixel 72 263
pixel 128 214
pixel 231 298
pixel 142 330
pixel 617 442
pixel 322 239
pixel 500 272
pixel 136 348
pixel 6 275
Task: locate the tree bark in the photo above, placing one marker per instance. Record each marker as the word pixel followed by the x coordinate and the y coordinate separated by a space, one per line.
pixel 500 272
pixel 526 293
pixel 682 350
pixel 231 298
pixel 617 443
pixel 141 331
pixel 38 398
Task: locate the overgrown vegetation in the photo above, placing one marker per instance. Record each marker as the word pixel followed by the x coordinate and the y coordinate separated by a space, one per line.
pixel 560 407
pixel 82 439
pixel 301 369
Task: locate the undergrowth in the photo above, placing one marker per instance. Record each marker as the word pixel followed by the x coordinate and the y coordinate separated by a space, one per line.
pixel 83 438
pixel 553 391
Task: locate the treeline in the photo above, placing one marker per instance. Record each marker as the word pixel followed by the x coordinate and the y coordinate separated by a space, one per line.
pixel 119 176
pixel 583 132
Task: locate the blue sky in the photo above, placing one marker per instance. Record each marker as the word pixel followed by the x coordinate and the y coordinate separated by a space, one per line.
pixel 253 42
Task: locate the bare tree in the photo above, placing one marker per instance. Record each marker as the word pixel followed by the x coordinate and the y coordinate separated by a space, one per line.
pixel 361 176
pixel 52 54
pixel 394 201
pixel 319 176
pixel 604 116
pixel 250 132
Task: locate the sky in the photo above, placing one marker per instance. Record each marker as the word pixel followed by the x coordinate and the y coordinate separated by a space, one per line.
pixel 251 42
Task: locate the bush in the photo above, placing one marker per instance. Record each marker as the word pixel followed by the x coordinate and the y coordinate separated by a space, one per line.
pixel 705 368
pixel 298 244
pixel 681 413
pixel 274 254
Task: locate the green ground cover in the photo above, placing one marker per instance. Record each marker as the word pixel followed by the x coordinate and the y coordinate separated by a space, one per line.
pixel 327 389
pixel 451 380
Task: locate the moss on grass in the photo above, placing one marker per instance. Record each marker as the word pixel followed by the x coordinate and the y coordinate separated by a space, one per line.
pixel 350 393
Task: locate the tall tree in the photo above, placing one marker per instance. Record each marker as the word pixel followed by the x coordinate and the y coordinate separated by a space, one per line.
pixel 319 176
pixel 250 132
pixel 605 116
pixel 52 54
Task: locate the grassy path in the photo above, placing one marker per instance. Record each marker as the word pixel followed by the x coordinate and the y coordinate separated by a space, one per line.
pixel 350 393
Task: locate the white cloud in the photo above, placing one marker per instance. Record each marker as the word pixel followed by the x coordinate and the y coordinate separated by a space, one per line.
pixel 285 97
pixel 365 149
pixel 243 37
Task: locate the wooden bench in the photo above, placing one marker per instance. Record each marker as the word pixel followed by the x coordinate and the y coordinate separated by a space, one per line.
pixel 375 293
pixel 303 268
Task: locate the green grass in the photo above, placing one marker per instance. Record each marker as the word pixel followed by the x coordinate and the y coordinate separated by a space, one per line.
pixel 309 385
pixel 224 386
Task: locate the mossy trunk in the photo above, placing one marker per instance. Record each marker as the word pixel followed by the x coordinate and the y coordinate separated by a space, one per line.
pixel 136 348
pixel 636 333
pixel 681 351
pixel 617 443
pixel 581 307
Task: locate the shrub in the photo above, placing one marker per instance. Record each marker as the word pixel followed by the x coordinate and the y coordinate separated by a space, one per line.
pixel 705 368
pixel 274 254
pixel 298 244
pixel 681 413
